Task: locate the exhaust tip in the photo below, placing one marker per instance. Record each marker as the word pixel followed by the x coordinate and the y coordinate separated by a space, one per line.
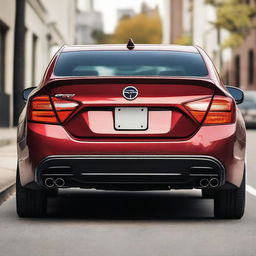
pixel 59 182
pixel 214 182
pixel 49 182
pixel 204 183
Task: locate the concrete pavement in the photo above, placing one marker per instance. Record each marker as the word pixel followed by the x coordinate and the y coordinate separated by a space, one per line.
pixel 8 162
pixel 7 136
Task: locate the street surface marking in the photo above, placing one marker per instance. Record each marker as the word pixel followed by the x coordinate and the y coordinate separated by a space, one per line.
pixel 251 190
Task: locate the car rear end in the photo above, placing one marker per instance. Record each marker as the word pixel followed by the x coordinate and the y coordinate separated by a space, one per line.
pixel 140 119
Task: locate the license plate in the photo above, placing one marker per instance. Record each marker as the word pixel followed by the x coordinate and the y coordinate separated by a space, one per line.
pixel 131 118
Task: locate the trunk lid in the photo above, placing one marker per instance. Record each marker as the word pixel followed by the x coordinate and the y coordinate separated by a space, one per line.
pixel 163 99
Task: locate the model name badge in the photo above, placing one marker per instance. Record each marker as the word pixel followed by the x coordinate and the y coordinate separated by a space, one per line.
pixel 64 96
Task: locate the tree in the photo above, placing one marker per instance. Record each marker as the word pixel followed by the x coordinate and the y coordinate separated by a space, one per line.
pixel 144 27
pixel 184 40
pixel 100 37
pixel 236 17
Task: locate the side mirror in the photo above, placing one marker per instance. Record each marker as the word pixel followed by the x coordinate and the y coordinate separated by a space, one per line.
pixel 26 92
pixel 236 93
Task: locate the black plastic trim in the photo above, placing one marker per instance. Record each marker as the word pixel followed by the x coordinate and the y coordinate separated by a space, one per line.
pixel 77 165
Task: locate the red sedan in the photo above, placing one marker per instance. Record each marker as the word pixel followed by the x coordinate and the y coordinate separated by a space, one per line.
pixel 135 117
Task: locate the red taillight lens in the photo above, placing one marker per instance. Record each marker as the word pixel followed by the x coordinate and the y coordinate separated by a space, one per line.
pixel 221 110
pixel 64 107
pixel 198 108
pixel 41 110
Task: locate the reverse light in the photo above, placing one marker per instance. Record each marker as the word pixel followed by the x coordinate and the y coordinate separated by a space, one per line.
pixel 198 108
pixel 64 108
pixel 221 110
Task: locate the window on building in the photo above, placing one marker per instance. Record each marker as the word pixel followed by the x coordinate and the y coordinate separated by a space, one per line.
pixel 250 67
pixel 2 56
pixel 237 70
pixel 34 56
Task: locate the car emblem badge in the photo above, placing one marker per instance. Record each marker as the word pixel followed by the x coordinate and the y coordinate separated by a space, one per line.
pixel 130 93
pixel 64 96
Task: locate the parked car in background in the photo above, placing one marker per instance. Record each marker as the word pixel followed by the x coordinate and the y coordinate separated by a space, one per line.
pixel 248 109
pixel 135 117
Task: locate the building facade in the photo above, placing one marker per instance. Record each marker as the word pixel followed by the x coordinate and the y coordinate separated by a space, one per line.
pixel 173 25
pixel 88 22
pixel 240 71
pixel 7 24
pixel 193 17
pixel 48 25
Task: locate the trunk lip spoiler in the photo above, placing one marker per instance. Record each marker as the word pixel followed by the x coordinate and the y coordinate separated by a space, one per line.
pixel 130 80
pixel 203 81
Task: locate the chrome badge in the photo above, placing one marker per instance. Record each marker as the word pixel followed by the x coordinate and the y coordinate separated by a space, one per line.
pixel 130 93
pixel 64 96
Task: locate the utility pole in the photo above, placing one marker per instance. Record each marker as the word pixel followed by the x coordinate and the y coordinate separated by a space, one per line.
pixel 19 59
pixel 192 20
pixel 220 49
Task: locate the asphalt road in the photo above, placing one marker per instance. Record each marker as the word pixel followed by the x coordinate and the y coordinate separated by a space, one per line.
pixel 115 224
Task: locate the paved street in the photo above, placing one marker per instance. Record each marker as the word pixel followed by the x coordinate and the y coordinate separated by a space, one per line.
pixel 159 223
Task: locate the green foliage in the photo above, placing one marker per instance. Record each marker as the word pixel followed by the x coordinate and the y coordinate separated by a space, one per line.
pixel 233 41
pixel 236 17
pixel 100 37
pixel 184 40
pixel 144 28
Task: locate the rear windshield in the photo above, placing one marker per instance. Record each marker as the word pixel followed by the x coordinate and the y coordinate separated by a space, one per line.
pixel 130 63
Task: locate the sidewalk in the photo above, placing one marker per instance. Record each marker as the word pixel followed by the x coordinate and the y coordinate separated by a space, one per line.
pixel 8 162
pixel 7 136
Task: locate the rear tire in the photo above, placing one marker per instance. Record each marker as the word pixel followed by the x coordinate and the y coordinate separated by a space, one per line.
pixel 208 193
pixel 30 203
pixel 230 204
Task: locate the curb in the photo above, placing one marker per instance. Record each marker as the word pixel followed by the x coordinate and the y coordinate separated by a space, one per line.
pixel 6 192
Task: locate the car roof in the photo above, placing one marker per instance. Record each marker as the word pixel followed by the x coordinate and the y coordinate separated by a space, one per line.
pixel 123 47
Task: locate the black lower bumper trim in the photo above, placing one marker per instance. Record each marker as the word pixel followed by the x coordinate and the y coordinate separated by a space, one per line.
pixel 101 170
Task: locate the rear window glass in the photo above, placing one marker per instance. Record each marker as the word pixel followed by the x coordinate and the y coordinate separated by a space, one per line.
pixel 130 63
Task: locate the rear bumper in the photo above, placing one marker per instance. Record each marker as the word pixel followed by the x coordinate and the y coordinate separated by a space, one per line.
pixel 224 143
pixel 101 171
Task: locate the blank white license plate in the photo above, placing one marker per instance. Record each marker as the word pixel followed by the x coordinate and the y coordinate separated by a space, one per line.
pixel 130 118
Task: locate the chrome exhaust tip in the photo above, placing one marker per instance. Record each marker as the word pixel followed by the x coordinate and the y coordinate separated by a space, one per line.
pixel 214 182
pixel 204 183
pixel 49 182
pixel 59 182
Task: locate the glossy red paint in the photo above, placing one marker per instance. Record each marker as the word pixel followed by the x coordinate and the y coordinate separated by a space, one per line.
pixel 89 128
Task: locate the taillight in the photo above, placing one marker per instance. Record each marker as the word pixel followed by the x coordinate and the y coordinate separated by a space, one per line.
pixel 221 110
pixel 198 108
pixel 64 108
pixel 41 109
